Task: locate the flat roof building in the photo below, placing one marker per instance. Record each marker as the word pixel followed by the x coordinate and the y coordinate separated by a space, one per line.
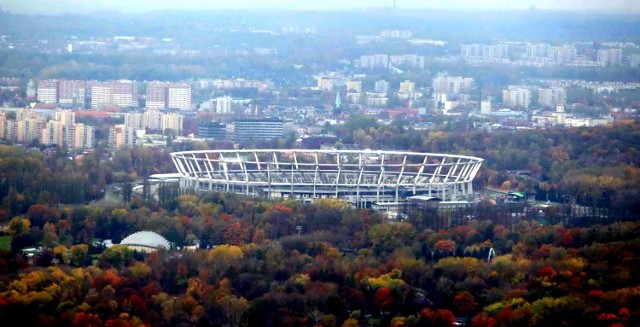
pixel 257 129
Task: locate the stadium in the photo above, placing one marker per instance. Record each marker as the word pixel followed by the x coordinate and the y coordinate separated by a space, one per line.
pixel 362 177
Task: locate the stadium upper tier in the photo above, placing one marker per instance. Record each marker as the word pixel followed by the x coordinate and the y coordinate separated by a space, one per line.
pixel 355 175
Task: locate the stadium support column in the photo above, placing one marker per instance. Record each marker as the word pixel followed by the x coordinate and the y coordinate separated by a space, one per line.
pixel 404 164
pixel 380 178
pixel 339 171
pixel 315 176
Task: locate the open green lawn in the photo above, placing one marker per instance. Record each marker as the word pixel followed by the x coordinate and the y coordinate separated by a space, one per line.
pixel 5 242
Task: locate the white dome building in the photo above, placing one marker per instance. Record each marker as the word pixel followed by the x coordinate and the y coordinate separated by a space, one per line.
pixel 146 241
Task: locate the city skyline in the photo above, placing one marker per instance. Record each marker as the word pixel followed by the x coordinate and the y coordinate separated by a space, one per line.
pixel 83 7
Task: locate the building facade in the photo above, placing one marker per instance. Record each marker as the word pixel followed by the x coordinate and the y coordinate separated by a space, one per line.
pixel 48 91
pixel 552 97
pixel 516 97
pixel 120 136
pixel 121 93
pixel 610 57
pixel 72 93
pixel 212 130
pixel 257 129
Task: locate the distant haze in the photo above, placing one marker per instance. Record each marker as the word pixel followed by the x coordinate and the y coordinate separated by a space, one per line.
pixel 138 6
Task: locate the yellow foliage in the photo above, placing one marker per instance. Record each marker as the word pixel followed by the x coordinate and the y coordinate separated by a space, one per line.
pixel 300 279
pixel 391 280
pixel 225 256
pixel 334 204
pixel 19 225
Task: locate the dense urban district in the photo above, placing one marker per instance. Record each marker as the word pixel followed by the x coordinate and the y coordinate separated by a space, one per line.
pixel 241 168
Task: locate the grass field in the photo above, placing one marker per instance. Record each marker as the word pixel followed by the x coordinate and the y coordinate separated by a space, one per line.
pixel 5 242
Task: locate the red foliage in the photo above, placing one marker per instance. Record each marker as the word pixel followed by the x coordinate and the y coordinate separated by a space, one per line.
pixel 225 217
pixel 465 303
pixel 547 273
pixel 383 298
pixel 108 278
pixel 153 288
pixel 185 220
pixel 596 293
pixel 441 317
pixel 624 313
pixel 137 303
pixel 235 233
pixel 86 320
pixel 483 320
pixel 607 317
pixel 505 316
pixel 4 215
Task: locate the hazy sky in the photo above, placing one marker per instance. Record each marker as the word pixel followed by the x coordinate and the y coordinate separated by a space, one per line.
pixel 86 6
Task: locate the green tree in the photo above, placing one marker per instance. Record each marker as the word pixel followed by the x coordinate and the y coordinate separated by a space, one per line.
pixel 117 255
pixel 19 225
pixel 79 254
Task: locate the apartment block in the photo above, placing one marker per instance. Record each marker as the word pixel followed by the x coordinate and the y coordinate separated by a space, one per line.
pixel 516 97
pixel 552 97
pixel 72 93
pixel 48 91
pixel 121 93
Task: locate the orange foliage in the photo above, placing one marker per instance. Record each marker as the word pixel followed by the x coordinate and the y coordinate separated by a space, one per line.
pixel 445 245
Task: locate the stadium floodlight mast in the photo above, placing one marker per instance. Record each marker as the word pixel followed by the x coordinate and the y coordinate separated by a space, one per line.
pixel 358 176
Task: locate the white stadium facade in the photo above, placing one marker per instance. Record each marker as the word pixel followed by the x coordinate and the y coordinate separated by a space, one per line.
pixel 362 177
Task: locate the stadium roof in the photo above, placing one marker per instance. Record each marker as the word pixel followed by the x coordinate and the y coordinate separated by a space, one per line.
pixel 146 239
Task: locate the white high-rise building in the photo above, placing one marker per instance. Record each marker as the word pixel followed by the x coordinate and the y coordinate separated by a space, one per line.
pixel 52 133
pixel 72 93
pixel 485 107
pixel 326 83
pixel 66 117
pixel 563 54
pixel 446 84
pixel 471 51
pixel 120 136
pixel 374 61
pixel 172 121
pixel 122 93
pixel 484 51
pixel 381 86
pixel 156 96
pixel 552 97
pixel 354 86
pixel 610 57
pixel 101 95
pixel 135 120
pixel 516 97
pixel 78 136
pixel 223 105
pixel 409 60
pixel 407 87
pixel 179 96
pixel 125 93
pixel 48 91
pixel 538 50
pixel 153 119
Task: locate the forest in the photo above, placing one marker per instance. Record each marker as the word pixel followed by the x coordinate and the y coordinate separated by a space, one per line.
pixel 343 266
